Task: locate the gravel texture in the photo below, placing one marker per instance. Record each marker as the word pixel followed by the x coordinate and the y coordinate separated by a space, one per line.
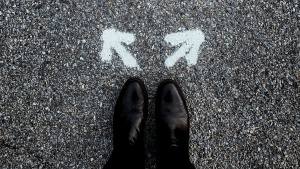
pixel 57 96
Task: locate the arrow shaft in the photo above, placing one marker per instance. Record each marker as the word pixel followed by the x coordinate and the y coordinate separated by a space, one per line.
pixel 192 55
pixel 127 58
pixel 181 52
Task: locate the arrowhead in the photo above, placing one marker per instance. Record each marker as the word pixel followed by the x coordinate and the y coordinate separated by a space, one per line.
pixel 190 42
pixel 113 39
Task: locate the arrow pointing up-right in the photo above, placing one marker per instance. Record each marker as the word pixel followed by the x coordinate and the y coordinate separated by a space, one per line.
pixel 190 42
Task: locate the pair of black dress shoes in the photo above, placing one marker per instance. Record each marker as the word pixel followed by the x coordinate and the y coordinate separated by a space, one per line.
pixel 172 122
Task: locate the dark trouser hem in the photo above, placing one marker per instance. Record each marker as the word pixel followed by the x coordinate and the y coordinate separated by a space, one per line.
pixel 121 159
pixel 174 158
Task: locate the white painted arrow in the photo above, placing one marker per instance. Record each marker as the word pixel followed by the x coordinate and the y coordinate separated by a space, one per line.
pixel 113 39
pixel 190 42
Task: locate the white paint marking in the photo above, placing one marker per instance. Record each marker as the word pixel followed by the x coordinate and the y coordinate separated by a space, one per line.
pixel 190 42
pixel 113 39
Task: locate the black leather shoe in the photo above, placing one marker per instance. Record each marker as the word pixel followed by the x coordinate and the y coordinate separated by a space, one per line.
pixel 128 127
pixel 172 122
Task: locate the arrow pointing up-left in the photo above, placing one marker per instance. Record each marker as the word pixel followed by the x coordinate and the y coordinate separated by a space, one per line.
pixel 113 39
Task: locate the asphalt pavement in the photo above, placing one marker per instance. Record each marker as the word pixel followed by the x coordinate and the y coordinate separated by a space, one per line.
pixel 57 94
